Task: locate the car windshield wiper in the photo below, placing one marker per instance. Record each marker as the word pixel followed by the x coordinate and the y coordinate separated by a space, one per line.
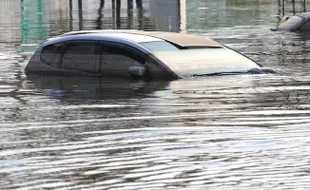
pixel 251 71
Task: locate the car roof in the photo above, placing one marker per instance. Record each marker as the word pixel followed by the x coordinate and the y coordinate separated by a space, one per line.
pixel 293 22
pixel 179 39
pixel 304 14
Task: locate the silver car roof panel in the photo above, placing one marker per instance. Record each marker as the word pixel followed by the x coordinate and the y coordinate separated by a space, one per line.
pixel 132 37
pixel 304 14
pixel 182 40
pixel 118 39
pixel 137 38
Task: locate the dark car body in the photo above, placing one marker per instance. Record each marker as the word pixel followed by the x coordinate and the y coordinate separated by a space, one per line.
pixel 137 54
pixel 297 22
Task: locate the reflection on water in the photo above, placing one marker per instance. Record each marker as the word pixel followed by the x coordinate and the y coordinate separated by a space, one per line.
pixel 232 132
pixel 64 16
pixel 199 133
pixel 93 88
pixel 32 25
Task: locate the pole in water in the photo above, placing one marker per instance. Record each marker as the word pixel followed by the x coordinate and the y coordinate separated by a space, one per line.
pixel 80 5
pixel 130 13
pixel 113 15
pixel 283 8
pixel 293 4
pixel 118 14
pixel 140 13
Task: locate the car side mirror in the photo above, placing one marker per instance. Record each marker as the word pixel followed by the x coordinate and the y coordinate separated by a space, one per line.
pixel 137 71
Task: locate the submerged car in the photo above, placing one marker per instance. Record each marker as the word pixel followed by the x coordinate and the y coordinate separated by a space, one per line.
pixel 297 22
pixel 137 54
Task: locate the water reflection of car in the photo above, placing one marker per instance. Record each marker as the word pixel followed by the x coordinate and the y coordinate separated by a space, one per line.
pixel 92 88
pixel 297 22
pixel 137 54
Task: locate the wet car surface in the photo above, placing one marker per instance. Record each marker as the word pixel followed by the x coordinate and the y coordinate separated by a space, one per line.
pixel 235 132
pixel 297 22
pixel 137 54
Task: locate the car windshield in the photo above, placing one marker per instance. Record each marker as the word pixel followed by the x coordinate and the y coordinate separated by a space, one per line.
pixel 203 61
pixel 292 23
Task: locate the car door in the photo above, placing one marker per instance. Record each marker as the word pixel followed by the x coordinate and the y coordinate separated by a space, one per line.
pixel 117 59
pixel 82 56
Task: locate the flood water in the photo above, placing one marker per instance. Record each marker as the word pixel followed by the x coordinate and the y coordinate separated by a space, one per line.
pixel 232 132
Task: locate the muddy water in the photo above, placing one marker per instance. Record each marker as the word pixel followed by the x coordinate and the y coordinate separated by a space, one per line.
pixel 234 132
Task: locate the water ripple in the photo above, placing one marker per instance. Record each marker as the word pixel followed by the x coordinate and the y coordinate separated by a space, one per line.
pixel 230 132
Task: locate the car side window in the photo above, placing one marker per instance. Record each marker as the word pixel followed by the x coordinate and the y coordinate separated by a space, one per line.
pixel 117 60
pixel 51 54
pixel 82 56
pixel 305 26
